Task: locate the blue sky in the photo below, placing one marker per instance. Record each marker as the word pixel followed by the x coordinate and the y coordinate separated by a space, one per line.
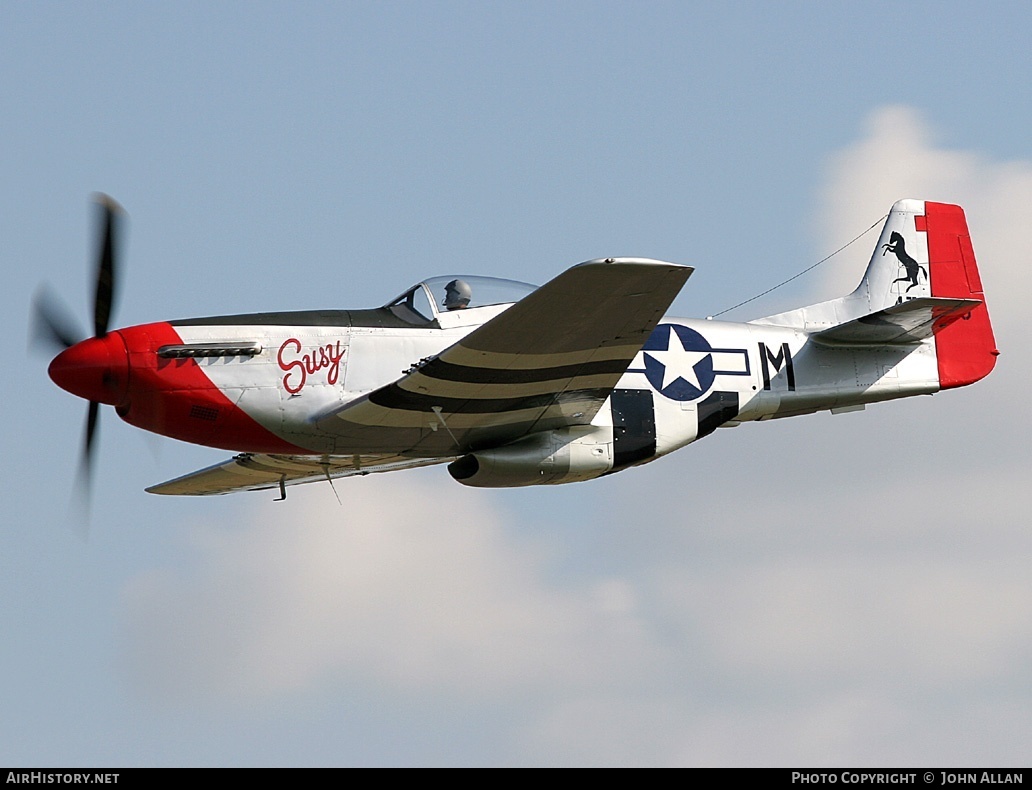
pixel 829 590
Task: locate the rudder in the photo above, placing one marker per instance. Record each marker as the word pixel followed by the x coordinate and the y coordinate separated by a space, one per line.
pixel 966 349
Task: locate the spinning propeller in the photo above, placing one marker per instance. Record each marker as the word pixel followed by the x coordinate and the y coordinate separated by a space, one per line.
pixel 95 368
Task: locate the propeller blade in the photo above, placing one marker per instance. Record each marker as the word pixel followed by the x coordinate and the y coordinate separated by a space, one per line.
pixel 53 324
pixel 88 447
pixel 83 490
pixel 104 299
pixel 52 321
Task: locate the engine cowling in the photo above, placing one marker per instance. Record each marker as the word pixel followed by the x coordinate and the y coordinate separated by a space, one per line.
pixel 548 458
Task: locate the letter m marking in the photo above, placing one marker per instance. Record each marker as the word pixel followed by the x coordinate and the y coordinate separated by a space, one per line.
pixel 782 359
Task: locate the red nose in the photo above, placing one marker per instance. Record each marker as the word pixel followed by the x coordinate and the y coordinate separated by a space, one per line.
pixel 96 369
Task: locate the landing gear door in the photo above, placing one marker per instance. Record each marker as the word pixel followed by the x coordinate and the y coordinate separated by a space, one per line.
pixel 634 427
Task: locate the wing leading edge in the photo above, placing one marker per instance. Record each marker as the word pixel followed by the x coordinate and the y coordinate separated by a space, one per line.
pixel 549 361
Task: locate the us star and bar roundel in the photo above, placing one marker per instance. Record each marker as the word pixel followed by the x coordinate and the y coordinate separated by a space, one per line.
pixel 680 364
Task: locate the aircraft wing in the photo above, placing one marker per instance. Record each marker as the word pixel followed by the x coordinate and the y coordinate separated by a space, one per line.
pixel 255 471
pixel 549 361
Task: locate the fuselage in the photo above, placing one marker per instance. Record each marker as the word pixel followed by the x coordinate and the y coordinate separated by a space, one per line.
pixel 260 383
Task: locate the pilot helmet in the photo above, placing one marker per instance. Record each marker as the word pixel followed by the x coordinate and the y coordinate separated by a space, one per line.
pixel 457 294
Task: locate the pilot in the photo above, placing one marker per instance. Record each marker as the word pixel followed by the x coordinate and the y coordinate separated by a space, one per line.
pixel 457 294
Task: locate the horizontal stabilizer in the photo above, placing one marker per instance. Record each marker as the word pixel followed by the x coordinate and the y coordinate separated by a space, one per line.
pixel 254 472
pixel 910 322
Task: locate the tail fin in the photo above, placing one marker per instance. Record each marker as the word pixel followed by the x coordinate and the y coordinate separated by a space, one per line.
pixel 899 266
pixel 924 256
pixel 925 250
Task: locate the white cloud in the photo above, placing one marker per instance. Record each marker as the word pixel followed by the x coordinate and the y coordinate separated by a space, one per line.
pixel 408 586
pixel 827 622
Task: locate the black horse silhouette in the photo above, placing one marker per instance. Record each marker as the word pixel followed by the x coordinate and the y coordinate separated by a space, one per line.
pixel 898 247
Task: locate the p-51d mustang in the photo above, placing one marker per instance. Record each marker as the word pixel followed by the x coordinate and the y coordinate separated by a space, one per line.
pixel 513 385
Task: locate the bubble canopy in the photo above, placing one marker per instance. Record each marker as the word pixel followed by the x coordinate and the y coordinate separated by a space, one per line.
pixel 428 299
